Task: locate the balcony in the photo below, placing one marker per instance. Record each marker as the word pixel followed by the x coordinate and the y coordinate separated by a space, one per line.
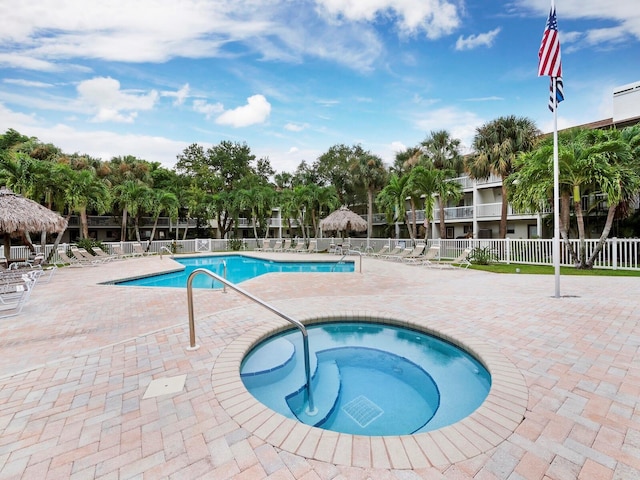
pixel 455 213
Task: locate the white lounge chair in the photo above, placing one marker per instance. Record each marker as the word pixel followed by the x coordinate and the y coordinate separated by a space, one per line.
pixel 416 254
pixel 461 261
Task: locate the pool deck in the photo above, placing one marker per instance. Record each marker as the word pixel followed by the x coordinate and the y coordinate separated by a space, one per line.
pixel 76 364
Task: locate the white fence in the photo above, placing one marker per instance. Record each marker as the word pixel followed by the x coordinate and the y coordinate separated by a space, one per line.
pixel 616 254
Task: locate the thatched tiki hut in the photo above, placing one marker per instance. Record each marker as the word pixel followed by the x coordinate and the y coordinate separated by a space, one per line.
pixel 343 220
pixel 19 215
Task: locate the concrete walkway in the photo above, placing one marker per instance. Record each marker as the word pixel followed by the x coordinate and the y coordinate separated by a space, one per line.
pixel 76 363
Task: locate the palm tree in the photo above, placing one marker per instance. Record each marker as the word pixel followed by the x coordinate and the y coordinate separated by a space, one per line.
pixel 86 191
pixel 421 185
pixel 391 199
pixel 448 190
pixel 162 201
pixel 496 145
pixel 369 172
pixel 443 151
pixel 590 161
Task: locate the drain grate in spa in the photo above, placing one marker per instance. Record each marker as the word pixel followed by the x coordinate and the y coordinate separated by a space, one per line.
pixel 362 410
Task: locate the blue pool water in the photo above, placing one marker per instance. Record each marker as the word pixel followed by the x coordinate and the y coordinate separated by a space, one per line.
pixel 368 379
pixel 239 269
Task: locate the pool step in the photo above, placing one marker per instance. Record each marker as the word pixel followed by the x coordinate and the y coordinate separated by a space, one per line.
pixel 326 381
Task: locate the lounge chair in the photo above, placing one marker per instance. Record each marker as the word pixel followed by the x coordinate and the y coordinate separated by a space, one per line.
pixel 433 252
pixel 416 254
pixel 37 263
pixel 75 261
pixel 104 255
pixel 276 246
pixel 284 246
pixel 300 247
pixel 13 297
pixel 139 250
pixel 119 252
pixel 313 247
pixel 398 257
pixel 396 250
pixel 266 243
pixel 461 261
pixel 383 251
pixel 83 255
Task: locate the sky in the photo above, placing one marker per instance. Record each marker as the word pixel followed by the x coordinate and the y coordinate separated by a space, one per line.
pixel 291 78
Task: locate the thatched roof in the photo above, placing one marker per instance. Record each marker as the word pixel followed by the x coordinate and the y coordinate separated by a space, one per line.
pixel 343 220
pixel 19 214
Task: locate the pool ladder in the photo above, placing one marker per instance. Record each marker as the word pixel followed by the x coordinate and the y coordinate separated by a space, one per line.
pixel 349 252
pixel 226 283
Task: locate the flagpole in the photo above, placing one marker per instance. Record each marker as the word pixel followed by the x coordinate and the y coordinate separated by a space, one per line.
pixel 556 194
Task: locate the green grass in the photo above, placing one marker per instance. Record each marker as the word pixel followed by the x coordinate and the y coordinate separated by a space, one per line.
pixel 549 270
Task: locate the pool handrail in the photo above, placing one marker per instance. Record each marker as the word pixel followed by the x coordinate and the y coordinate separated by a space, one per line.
pixel 349 252
pixel 303 330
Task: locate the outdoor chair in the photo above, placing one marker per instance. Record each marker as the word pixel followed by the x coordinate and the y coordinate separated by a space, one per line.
pixel 266 243
pixel 415 256
pixel 461 261
pixel 396 250
pixel 75 261
pixel 313 247
pixel 300 247
pixel 104 255
pixel 284 246
pixel 432 253
pixel 276 246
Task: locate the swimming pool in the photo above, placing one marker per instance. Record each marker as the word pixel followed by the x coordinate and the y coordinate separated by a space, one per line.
pixel 368 379
pixel 239 269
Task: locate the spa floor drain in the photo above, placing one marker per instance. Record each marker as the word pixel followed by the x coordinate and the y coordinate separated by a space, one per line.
pixel 362 410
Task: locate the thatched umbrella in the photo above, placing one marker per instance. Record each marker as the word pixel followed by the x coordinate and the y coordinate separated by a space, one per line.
pixel 343 220
pixel 19 215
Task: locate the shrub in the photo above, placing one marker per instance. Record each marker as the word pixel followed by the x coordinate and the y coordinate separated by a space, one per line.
pixel 482 256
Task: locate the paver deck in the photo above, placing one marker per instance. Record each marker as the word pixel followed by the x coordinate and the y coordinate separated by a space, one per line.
pixel 76 363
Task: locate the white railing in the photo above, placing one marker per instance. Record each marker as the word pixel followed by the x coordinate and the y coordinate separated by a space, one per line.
pixel 616 254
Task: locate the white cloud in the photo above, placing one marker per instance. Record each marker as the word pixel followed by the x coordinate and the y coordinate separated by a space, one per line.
pixel 100 144
pixel 435 18
pixel 180 96
pixel 296 127
pixel 257 110
pixel 459 123
pixel 27 83
pixel 475 41
pixel 102 95
pixel 209 109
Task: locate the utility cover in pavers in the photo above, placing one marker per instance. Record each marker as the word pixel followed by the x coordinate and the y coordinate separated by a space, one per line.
pixel 165 386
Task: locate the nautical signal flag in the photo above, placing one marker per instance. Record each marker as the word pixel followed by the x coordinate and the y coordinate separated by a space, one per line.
pixel 559 93
pixel 549 53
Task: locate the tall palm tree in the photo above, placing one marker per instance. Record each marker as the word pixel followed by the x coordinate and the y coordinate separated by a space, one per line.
pixel 443 151
pixel 86 191
pixel 447 190
pixel 421 186
pixel 391 199
pixel 370 173
pixel 590 161
pixel 162 201
pixel 496 145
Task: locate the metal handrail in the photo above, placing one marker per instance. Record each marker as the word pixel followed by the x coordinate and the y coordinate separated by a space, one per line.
pixel 303 330
pixel 349 252
pixel 164 247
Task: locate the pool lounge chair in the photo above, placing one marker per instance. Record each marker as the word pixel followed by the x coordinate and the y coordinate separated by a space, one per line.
pixel 104 255
pixel 284 246
pixel 13 297
pixel 300 247
pixel 432 253
pixel 416 254
pixel 396 251
pixel 461 261
pixel 399 256
pixel 266 243
pixel 382 251
pixel 276 246
pixel 139 250
pixel 313 247
pixel 74 261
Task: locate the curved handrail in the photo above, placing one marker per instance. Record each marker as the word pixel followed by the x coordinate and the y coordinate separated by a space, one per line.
pixel 164 247
pixel 349 252
pixel 303 330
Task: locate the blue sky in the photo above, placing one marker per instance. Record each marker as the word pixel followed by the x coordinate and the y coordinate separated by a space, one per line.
pixel 291 78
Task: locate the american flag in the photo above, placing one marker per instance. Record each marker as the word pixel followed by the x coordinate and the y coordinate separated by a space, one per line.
pixel 549 52
pixel 559 93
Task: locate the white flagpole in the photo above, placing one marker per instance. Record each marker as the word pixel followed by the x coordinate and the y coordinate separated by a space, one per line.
pixel 556 193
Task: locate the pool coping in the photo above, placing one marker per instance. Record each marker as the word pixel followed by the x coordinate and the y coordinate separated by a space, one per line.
pixel 484 429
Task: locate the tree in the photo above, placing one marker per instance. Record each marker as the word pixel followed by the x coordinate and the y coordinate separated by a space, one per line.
pixel 447 190
pixel 84 191
pixel 421 185
pixel 496 145
pixel 332 168
pixel 590 162
pixel 162 201
pixel 443 152
pixel 391 199
pixel 369 172
pixel 216 173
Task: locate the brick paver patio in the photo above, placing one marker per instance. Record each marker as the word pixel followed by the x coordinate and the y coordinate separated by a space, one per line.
pixel 75 364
